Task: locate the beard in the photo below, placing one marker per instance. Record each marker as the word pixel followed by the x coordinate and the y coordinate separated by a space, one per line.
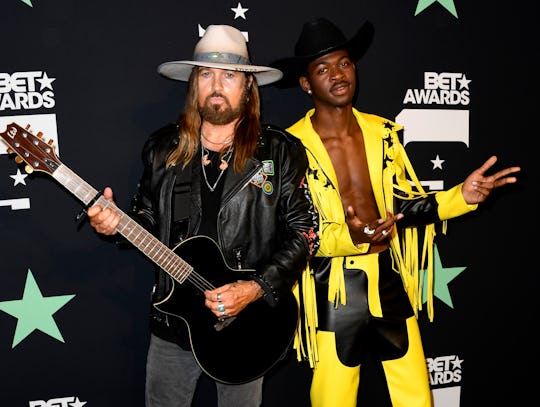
pixel 220 114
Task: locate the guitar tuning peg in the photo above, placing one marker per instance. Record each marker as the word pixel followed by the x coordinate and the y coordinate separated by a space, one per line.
pixel 39 134
pixel 50 142
pixel 18 160
pixel 28 169
pixel 9 151
pixel 27 127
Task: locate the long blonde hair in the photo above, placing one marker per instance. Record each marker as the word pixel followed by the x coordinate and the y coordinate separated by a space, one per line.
pixel 248 127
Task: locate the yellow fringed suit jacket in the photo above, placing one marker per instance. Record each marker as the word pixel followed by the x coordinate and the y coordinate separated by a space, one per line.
pixel 390 172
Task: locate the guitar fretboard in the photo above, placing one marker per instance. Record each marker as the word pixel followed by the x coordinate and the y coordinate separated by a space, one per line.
pixel 158 252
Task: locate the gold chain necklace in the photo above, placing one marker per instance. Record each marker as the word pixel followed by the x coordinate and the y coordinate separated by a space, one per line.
pixel 221 143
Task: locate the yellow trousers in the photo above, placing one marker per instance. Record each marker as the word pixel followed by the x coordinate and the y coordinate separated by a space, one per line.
pixel 335 384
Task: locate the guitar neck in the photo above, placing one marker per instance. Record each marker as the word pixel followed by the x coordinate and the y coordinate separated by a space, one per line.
pixel 152 247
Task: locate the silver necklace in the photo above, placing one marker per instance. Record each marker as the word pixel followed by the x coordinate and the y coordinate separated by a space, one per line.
pixel 222 166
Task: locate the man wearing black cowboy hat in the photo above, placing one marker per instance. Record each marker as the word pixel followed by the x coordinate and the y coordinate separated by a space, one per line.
pixel 229 195
pixel 369 215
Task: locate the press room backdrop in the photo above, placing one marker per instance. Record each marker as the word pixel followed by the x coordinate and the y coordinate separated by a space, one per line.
pixel 458 74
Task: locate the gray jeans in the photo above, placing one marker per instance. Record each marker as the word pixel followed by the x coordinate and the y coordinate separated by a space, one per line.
pixel 172 374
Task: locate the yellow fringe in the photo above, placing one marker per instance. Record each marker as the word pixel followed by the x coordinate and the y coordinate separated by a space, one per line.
pixel 310 320
pixel 336 283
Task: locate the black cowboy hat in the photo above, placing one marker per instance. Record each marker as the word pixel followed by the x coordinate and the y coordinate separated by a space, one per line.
pixel 320 37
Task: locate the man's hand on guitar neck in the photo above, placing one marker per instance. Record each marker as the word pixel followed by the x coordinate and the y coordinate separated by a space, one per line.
pixel 230 299
pixel 104 221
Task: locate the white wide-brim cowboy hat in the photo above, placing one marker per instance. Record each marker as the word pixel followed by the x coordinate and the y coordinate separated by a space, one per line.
pixel 320 37
pixel 222 47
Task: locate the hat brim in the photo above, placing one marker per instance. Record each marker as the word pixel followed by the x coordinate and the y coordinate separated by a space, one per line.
pixel 294 67
pixel 181 70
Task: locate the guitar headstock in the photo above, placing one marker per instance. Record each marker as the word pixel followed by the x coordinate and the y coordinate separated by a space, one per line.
pixel 31 149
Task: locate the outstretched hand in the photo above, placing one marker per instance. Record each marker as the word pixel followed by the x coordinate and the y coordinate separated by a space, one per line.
pixel 477 186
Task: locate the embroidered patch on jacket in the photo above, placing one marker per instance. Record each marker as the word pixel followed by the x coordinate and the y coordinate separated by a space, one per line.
pixel 268 167
pixel 260 180
pixel 268 187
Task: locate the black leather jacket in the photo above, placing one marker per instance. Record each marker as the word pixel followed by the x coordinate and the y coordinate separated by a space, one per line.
pixel 271 228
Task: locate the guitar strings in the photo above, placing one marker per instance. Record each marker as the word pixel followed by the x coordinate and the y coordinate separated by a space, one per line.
pixel 178 268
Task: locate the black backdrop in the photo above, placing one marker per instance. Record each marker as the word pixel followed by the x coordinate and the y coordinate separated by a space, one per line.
pixel 86 71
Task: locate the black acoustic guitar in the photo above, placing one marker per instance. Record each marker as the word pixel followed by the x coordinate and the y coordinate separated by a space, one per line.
pixel 231 350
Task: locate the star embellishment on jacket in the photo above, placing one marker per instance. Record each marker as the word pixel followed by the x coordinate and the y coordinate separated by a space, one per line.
pixel 34 311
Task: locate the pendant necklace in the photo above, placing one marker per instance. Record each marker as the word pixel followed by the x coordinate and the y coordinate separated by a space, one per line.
pixel 222 166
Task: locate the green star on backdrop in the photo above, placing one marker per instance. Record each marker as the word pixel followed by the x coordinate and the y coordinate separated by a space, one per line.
pixel 34 311
pixel 447 4
pixel 441 278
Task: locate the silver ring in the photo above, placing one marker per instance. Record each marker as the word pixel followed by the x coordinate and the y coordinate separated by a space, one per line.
pixel 368 230
pixel 384 232
pixel 223 314
pixel 218 296
pixel 221 308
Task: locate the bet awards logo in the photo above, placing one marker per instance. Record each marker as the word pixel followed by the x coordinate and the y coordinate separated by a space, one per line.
pixel 26 90
pixel 432 125
pixel 23 98
pixel 58 402
pixel 446 88
pixel 445 370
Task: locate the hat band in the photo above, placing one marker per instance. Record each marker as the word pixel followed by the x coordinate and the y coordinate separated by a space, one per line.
pixel 222 57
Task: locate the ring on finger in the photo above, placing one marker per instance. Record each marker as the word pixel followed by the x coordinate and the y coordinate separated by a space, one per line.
pixel 221 308
pixel 368 230
pixel 218 297
pixel 384 232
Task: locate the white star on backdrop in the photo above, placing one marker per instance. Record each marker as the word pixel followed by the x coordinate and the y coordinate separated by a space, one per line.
pixel 77 403
pixel 456 363
pixel 239 11
pixel 437 162
pixel 19 177
pixel 45 81
pixel 464 82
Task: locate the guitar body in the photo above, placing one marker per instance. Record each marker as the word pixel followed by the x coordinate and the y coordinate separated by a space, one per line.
pixel 241 348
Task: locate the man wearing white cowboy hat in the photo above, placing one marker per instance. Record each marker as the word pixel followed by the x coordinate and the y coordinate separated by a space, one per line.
pixel 369 214
pixel 227 193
